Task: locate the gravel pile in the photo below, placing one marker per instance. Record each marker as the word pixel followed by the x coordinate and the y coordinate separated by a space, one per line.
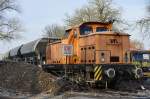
pixel 24 78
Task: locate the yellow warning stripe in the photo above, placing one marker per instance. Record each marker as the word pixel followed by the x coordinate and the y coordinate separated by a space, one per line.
pixel 96 68
pixel 98 73
pixel 100 78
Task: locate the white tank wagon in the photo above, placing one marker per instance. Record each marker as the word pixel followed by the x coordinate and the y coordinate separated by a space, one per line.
pixel 32 52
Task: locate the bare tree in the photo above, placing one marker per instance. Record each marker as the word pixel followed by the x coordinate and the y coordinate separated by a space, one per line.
pixel 96 10
pixel 144 23
pixel 84 14
pixel 136 45
pixel 54 30
pixel 9 27
pixel 104 10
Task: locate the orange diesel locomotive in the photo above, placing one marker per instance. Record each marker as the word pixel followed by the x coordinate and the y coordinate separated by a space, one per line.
pixel 92 52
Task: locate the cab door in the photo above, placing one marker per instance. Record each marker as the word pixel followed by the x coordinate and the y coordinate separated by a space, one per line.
pixel 88 54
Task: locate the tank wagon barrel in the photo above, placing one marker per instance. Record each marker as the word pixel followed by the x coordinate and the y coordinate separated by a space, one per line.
pixel 33 52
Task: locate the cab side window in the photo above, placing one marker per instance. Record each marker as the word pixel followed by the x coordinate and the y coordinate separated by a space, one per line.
pixel 101 29
pixel 66 34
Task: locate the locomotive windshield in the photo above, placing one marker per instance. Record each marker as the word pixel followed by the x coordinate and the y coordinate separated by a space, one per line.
pixel 84 30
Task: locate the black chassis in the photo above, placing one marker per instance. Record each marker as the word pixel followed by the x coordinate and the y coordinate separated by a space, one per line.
pixel 122 71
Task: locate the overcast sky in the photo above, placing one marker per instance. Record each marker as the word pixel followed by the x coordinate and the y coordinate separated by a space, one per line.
pixel 36 14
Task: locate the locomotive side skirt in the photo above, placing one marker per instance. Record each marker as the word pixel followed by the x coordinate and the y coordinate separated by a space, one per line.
pixel 95 72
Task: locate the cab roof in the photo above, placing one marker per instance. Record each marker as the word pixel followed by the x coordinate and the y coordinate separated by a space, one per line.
pixel 89 22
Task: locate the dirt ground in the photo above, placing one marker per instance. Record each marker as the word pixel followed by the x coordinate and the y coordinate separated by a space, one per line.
pixel 85 95
pixel 99 95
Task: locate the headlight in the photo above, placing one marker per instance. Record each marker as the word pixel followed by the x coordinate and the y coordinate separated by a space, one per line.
pixel 110 73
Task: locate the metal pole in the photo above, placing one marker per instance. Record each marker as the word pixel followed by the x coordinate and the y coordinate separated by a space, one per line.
pixel 85 65
pixel 66 68
pixel 106 86
pixel 66 59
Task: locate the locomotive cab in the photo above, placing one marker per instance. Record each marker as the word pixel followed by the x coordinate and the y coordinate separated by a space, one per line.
pixel 93 43
pixel 102 45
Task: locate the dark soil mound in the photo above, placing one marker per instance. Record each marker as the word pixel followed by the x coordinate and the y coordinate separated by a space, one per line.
pixel 24 77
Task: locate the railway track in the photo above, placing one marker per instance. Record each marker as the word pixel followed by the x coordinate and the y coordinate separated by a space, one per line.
pixel 93 94
pixel 107 94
